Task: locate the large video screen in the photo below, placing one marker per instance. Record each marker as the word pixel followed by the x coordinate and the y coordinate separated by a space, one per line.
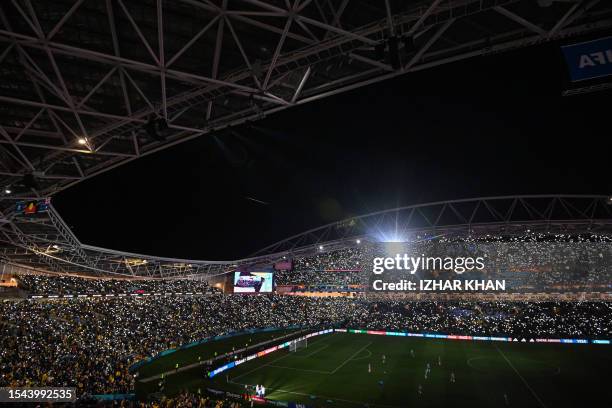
pixel 253 282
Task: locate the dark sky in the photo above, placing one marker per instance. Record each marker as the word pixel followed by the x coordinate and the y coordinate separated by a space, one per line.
pixel 492 125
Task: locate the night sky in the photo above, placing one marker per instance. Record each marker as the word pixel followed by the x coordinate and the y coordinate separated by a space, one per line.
pixel 494 125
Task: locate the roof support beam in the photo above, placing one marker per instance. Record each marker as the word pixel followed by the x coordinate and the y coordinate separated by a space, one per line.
pixel 298 91
pixel 28 41
pixel 520 20
pixel 417 57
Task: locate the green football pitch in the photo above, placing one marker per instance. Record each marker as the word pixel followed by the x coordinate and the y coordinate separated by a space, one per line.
pixel 333 372
pixel 202 352
pixel 347 370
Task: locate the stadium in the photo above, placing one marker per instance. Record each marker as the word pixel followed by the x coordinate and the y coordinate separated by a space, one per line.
pixel 501 300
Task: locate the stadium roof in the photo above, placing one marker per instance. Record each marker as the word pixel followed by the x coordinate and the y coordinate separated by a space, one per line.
pixel 44 242
pixel 81 79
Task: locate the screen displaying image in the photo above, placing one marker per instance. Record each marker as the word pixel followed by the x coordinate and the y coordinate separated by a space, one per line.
pixel 253 282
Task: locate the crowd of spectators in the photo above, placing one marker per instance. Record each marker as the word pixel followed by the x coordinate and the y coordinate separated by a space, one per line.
pixel 184 400
pixel 338 269
pixel 337 260
pixel 529 263
pixel 514 319
pixel 189 400
pixel 90 343
pixel 65 285
pixel 333 279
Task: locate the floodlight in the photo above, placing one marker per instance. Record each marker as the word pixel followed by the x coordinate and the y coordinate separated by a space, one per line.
pixel 155 128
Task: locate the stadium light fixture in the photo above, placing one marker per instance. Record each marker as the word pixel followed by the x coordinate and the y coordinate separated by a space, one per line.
pixel 82 141
pixel 358 241
pixel 155 128
pixel 389 236
pixel 610 200
pixel 55 246
pixel 320 247
pixel 7 190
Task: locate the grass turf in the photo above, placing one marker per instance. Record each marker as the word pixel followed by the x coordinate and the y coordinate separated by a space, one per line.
pixel 190 355
pixel 333 372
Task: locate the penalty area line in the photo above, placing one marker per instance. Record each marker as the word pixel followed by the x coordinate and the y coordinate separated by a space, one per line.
pixel 350 358
pixel 314 352
pixel 299 369
pixel 268 364
pixel 260 367
pixel 521 377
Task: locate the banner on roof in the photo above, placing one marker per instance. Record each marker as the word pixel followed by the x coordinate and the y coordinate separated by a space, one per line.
pixel 590 59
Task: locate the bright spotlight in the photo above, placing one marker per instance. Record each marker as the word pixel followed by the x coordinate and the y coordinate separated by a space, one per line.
pixel 82 141
pixel 55 246
pixel 394 247
pixel 320 247
pixel 391 235
pixel 7 190
pixel 395 238
pixel 358 241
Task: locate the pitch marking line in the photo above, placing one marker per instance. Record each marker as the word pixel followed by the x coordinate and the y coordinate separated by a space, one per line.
pixel 312 353
pixel 261 366
pixel 350 358
pixel 267 365
pixel 521 377
pixel 300 369
pixel 316 351
pixel 364 357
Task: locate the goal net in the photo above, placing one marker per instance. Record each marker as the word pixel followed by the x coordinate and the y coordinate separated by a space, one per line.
pixel 295 345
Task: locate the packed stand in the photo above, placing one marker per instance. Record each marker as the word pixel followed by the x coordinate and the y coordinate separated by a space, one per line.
pixel 529 263
pixel 64 285
pixel 91 342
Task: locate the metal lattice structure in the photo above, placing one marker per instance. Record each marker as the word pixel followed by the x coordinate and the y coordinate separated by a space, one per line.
pixel 79 79
pixel 43 241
